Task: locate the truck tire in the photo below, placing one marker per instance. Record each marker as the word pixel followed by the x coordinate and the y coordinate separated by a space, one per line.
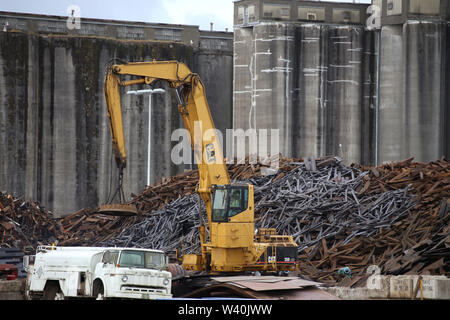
pixel 33 296
pixel 98 291
pixel 51 290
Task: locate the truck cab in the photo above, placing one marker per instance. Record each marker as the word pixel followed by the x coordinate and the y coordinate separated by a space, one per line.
pixel 101 273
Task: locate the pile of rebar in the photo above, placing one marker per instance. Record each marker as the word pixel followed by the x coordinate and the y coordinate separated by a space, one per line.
pixel 338 215
pixel 85 227
pixel 24 224
pixel 175 226
pixel 324 204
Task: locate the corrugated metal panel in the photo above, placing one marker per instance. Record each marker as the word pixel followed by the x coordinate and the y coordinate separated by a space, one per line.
pixel 267 283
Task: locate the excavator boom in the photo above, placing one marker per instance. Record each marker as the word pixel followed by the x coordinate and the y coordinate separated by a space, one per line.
pixel 193 108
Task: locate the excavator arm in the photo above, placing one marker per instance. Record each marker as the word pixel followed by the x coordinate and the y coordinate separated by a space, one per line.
pixel 230 208
pixel 193 108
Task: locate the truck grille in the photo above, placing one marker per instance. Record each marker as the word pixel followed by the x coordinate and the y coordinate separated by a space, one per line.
pixel 144 289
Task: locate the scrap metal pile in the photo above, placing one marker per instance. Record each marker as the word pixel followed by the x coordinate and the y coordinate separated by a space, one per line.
pixel 24 224
pixel 394 216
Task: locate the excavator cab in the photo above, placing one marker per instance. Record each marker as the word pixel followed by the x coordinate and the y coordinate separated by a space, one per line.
pixel 229 201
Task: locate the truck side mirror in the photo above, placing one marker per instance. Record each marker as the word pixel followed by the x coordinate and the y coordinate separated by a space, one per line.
pixel 26 262
pixel 106 258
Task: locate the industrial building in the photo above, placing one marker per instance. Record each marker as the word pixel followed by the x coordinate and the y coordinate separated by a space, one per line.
pixel 332 86
pixel 53 124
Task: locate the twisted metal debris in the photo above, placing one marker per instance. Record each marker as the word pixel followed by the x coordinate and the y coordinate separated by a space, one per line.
pixel 323 204
pixel 311 205
pixel 175 226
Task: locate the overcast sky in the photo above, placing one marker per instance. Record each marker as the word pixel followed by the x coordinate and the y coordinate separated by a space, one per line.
pixel 189 12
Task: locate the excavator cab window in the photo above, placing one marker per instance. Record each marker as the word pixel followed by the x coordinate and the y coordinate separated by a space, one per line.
pixel 229 201
pixel 219 208
pixel 238 201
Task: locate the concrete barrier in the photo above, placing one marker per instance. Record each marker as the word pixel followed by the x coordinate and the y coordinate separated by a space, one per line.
pixel 357 293
pixel 12 290
pixel 378 282
pixel 397 287
pixel 435 287
pixel 401 287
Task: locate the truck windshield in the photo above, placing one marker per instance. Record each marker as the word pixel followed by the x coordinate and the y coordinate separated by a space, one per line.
pixel 142 259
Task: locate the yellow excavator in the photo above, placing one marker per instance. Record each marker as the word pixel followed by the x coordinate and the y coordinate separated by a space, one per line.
pixel 233 245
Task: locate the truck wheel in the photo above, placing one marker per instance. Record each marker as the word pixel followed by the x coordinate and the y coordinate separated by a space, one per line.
pixel 51 291
pixel 59 296
pixel 98 291
pixel 33 296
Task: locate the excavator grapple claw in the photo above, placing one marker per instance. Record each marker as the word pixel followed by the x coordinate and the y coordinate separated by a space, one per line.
pixel 118 210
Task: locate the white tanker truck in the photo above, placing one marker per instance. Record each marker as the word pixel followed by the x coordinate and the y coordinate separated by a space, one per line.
pixel 88 272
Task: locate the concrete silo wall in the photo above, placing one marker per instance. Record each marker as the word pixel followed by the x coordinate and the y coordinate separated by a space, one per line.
pixel 413 93
pixel 308 81
pixel 54 132
pixel 318 84
pixel 446 91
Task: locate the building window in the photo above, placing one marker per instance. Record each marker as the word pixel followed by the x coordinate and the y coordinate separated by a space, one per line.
pixel 241 11
pixel 285 12
pixel 168 34
pixel 311 16
pixel 429 7
pixel 246 14
pixel 346 16
pixel 277 11
pixel 311 13
pixel 394 7
pixel 251 13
